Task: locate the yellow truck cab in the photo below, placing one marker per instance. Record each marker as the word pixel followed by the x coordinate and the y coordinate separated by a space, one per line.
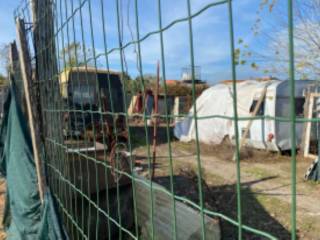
pixel 93 98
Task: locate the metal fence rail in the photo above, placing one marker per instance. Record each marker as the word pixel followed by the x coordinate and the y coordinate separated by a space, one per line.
pixel 86 179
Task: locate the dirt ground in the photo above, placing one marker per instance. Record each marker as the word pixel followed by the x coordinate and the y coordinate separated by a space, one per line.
pixel 2 203
pixel 265 186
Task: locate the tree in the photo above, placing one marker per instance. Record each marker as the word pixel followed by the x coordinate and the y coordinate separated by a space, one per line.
pixel 4 56
pixel 149 80
pixel 76 55
pixel 271 32
pixel 3 80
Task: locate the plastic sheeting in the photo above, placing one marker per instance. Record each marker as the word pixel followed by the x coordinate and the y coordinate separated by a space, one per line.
pixel 25 218
pixel 218 101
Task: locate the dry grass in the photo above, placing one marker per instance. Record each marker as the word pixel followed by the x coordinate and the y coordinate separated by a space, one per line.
pixel 2 204
pixel 266 190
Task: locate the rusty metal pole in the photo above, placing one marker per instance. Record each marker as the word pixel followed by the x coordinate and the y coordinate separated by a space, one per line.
pixel 155 122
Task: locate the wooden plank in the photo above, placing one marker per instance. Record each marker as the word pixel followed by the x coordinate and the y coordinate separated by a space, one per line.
pixel 315 94
pixel 254 113
pixel 311 155
pixel 188 220
pixel 13 62
pixel 305 115
pixel 306 145
pixel 155 123
pixel 26 72
pixel 13 58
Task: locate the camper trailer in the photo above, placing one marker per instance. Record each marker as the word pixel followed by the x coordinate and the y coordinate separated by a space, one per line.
pixel 215 112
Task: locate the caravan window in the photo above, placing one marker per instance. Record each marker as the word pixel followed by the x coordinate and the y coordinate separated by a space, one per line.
pixel 300 106
pixel 283 107
pixel 261 108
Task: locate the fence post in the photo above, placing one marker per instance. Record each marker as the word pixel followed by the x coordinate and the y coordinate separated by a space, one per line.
pixel 26 72
pixel 46 65
pixel 13 60
pixel 155 123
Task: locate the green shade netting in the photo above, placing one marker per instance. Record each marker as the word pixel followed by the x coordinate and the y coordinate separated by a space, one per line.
pixel 24 217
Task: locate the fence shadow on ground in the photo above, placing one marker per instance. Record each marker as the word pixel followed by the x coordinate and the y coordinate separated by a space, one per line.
pixel 220 198
pixel 223 199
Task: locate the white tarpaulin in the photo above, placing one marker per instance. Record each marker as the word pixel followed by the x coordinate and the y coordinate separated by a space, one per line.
pixel 218 101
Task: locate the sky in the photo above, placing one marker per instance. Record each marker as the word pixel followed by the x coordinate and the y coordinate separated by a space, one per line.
pixel 7 28
pixel 211 38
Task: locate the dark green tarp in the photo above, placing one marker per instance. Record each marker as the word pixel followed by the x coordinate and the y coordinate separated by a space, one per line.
pixel 25 217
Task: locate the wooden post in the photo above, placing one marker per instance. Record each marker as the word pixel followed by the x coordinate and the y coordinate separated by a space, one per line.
pixel 155 122
pixel 305 115
pixel 46 66
pixel 254 113
pixel 13 60
pixel 13 56
pixel 26 72
pixel 308 125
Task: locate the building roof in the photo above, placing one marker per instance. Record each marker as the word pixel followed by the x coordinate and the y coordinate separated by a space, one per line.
pixel 172 82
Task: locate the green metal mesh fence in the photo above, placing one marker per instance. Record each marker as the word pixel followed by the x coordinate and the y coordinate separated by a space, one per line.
pixel 90 137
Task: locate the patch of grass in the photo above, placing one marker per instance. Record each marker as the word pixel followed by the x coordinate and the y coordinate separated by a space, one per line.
pixel 257 172
pixel 187 146
pixel 312 183
pixel 270 213
pixel 213 179
pixel 281 210
pixel 308 186
pixel 275 207
pixel 209 177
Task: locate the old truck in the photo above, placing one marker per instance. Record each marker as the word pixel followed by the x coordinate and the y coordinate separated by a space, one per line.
pixel 94 104
pixel 95 134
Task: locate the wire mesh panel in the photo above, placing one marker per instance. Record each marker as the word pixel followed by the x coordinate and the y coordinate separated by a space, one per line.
pixel 102 130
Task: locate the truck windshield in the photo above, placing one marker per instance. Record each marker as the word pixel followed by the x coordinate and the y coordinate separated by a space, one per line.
pixel 82 90
pixel 83 95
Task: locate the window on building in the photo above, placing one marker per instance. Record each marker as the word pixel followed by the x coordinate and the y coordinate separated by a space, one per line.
pixel 300 106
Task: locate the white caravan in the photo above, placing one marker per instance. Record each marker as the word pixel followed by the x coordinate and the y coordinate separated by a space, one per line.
pixel 264 133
